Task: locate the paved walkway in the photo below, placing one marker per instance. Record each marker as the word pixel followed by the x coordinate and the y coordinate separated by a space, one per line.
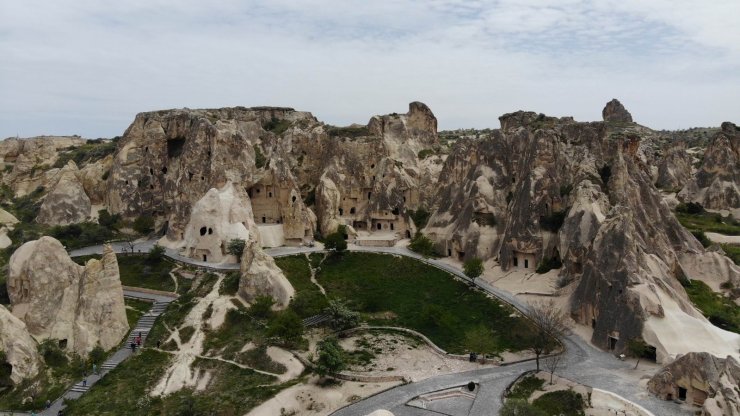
pixel 582 362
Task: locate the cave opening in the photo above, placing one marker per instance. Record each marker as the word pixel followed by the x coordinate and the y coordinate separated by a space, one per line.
pixel 175 147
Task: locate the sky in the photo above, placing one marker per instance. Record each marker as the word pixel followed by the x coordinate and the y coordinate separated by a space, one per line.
pixel 87 67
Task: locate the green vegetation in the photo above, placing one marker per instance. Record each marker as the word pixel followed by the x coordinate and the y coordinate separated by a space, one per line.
pixel 236 247
pixel 520 407
pixel 561 402
pixel 423 245
pixel 259 159
pixel 286 328
pixel 89 152
pixel 420 217
pixel 525 387
pixel 331 357
pixel 230 284
pixel 135 309
pixel 308 300
pixel 707 222
pixel 473 267
pixel 277 126
pixel 335 242
pixel 720 311
pixel 425 153
pixel 342 317
pixel 732 251
pixel 553 221
pixel 390 290
pixel 548 264
pixel 140 270
pixel 108 220
pixel 24 208
pixel 81 235
pixel 637 348
pixel 351 132
pixel 144 224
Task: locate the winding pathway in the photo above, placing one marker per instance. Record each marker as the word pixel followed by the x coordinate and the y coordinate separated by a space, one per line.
pixel 582 362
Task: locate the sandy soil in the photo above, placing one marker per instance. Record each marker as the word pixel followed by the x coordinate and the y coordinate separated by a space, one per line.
pixel 281 356
pixel 312 400
pixel 397 355
pixel 521 281
pixel 723 239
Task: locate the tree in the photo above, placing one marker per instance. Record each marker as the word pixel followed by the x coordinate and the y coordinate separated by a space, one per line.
pixel 637 348
pixel 423 245
pixel 336 243
pixel 551 363
pixel 109 220
pixel 261 307
pixel 342 317
pixel 156 254
pixel 144 224
pixel 331 358
pixel 551 326
pixel 473 268
pixel 236 247
pixel 287 327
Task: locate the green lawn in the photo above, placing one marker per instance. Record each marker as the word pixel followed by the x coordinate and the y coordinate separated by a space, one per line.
pixel 308 300
pixel 400 291
pixel 720 310
pixel 709 222
pixel 139 271
pixel 135 309
pixel 732 251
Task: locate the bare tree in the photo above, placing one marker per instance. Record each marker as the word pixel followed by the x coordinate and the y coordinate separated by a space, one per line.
pixel 551 326
pixel 551 362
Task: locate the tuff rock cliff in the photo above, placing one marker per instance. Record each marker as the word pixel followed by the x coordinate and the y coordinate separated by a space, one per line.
pixel 81 306
pixel 19 348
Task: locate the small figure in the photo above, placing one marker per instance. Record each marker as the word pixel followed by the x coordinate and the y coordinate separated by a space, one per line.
pixel 48 403
pixel 84 382
pixel 95 369
pixel 158 343
pixel 133 347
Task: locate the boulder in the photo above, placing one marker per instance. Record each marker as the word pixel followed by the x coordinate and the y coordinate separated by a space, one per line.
pixel 7 218
pixel 20 350
pixel 260 276
pixel 66 202
pixel 80 306
pixel 615 111
pixel 701 379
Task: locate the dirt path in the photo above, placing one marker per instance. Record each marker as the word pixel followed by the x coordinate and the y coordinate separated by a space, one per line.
pixel 313 271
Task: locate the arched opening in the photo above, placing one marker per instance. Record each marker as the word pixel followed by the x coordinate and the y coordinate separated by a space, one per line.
pixel 369 194
pixel 341 211
pixel 391 226
pixel 380 226
pixel 269 194
pixel 205 258
pixel 63 343
pixel 164 170
pixel 146 149
pixel 203 230
pixel 210 231
pixel 264 220
pixel 372 167
pixel 151 171
pixel 293 198
pixel 408 234
pixel 352 210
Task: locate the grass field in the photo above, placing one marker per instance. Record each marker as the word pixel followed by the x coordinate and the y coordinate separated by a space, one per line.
pixel 135 309
pixel 394 290
pixel 709 222
pixel 139 271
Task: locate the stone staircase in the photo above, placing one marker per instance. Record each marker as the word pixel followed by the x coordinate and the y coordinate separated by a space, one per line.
pixel 143 326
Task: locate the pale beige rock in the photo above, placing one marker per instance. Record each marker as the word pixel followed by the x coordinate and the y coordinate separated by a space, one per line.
pixel 19 348
pixel 260 276
pixel 66 202
pixel 217 218
pixel 91 178
pixel 7 218
pixel 58 299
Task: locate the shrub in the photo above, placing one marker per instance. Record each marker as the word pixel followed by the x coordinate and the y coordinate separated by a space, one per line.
pixel 156 254
pixel 277 126
pixel 425 153
pixel 108 220
pixel 548 264
pixel 561 402
pixel 336 242
pixel 261 307
pixel 553 222
pixel 691 208
pixel 259 159
pixel 703 239
pixel 473 267
pixel 520 407
pixel 330 357
pixel 525 387
pixel 423 245
pixel 144 224
pixel 236 247
pixel 97 355
pixel 287 327
pixel 230 284
pixel 342 317
pixel 420 217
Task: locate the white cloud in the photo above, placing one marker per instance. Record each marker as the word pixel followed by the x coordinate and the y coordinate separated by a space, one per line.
pixel 88 66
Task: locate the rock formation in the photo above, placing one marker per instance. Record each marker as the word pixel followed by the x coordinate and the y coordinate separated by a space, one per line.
pixel 715 184
pixel 217 218
pixel 80 306
pixel 674 168
pixel 6 220
pixel 582 193
pixel 66 202
pixel 19 348
pixel 615 111
pixel 260 276
pixel 701 379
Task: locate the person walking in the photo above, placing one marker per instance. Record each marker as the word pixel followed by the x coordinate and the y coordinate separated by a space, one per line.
pixel 95 369
pixel 84 382
pixel 133 347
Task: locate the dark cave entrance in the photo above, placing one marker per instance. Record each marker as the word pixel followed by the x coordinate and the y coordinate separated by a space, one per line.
pixel 175 147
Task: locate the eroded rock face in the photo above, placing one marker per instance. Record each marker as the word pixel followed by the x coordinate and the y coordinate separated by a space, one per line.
pixel 674 168
pixel 19 348
pixel 66 202
pixel 701 379
pixel 217 218
pixel 58 299
pixel 583 193
pixel 715 184
pixel 615 111
pixel 260 276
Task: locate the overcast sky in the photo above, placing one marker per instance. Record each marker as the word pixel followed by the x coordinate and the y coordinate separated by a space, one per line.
pixel 87 67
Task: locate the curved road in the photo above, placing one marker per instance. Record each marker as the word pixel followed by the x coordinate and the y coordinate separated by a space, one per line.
pixel 581 363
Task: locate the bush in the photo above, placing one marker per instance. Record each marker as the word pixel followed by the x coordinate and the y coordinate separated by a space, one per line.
pixel 287 327
pixel 108 220
pixel 81 235
pixel 259 159
pixel 261 307
pixel 420 217
pixel 236 247
pixel 525 387
pixel 561 402
pixel 342 317
pixel 144 224
pixel 156 254
pixel 548 264
pixel 330 357
pixel 425 153
pixel 336 243
pixel 423 245
pixel 520 407
pixel 554 221
pixel 703 239
pixel 277 126
pixel 691 208
pixel 473 267
pixel 97 355
pixel 230 284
